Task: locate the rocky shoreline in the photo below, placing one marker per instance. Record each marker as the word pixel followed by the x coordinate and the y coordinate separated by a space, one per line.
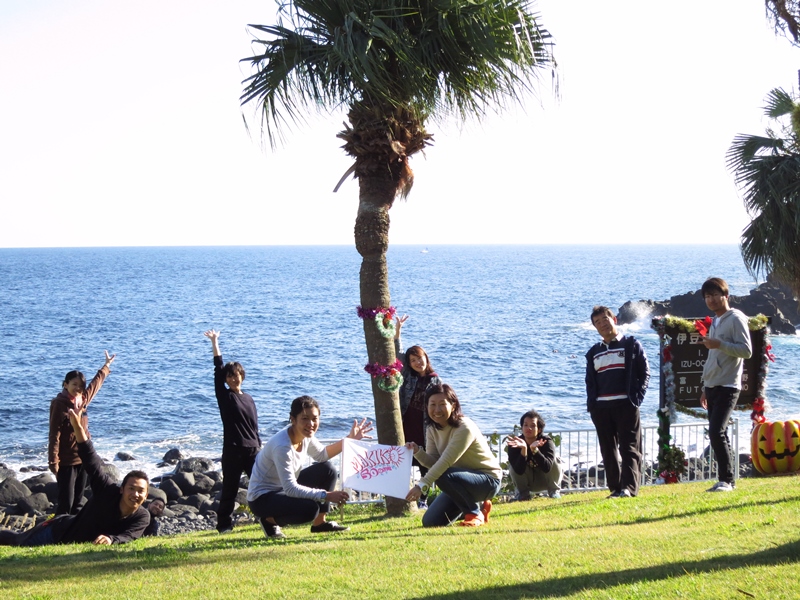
pixel 771 299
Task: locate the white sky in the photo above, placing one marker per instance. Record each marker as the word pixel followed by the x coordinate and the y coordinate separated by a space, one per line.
pixel 120 126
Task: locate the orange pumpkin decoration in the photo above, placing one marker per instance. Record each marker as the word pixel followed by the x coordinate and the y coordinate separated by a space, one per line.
pixel 776 447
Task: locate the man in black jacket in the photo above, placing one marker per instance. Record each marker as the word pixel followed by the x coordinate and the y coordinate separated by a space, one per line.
pixel 617 375
pixel 113 515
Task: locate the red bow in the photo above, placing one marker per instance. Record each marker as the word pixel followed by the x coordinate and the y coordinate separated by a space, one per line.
pixel 703 326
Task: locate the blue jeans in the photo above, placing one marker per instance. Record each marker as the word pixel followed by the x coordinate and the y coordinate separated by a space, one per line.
pixel 462 492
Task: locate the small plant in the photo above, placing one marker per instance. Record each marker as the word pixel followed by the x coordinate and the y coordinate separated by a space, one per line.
pixel 672 461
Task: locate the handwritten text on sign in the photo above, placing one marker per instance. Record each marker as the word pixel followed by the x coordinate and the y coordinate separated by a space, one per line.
pixel 376 468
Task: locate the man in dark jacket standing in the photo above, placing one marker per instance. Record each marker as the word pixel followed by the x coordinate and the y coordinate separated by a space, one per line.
pixel 113 515
pixel 617 375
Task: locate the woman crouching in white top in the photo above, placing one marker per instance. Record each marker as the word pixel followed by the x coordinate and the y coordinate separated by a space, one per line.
pixel 281 491
pixel 459 461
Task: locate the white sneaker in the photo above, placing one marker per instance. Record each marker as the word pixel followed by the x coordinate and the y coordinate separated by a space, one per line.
pixel 722 486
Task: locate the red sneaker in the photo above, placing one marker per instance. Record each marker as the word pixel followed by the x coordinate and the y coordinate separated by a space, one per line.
pixel 472 521
pixel 486 508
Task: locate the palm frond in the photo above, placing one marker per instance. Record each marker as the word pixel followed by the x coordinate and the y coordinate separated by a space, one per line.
pixel 779 103
pixel 433 57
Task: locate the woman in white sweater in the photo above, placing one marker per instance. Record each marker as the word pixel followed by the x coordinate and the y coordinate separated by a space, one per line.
pixel 459 461
pixel 281 490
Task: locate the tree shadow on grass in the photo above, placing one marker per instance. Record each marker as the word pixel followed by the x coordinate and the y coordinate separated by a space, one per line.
pixel 641 520
pixel 788 553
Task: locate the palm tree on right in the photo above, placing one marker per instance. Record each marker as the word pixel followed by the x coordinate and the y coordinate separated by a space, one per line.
pixel 767 170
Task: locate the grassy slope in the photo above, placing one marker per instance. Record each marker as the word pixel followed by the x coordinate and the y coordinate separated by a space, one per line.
pixel 671 542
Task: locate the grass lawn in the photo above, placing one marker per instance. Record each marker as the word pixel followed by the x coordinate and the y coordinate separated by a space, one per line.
pixel 673 541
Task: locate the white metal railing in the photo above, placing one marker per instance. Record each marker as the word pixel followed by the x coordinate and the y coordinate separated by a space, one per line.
pixel 579 453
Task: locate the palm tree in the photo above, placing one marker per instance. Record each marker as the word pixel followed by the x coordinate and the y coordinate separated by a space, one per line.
pixel 767 169
pixel 394 64
pixel 785 17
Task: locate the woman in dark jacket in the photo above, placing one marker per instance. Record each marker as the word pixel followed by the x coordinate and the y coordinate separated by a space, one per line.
pixel 418 375
pixel 532 458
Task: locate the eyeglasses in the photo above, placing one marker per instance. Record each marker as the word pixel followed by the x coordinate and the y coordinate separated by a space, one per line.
pixel 714 295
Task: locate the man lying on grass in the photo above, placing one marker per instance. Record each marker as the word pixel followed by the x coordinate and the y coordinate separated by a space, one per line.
pixel 114 514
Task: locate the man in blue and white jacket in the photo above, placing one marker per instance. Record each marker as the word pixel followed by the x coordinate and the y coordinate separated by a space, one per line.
pixel 617 374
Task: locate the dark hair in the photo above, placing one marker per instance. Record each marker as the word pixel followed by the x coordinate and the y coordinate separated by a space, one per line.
pixel 418 352
pixel 231 368
pixel 601 310
pixel 157 499
pixel 302 403
pixel 532 414
pixel 74 375
pixel 135 475
pixel 449 393
pixel 714 284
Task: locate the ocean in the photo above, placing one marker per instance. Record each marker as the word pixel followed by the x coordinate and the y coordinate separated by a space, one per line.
pixel 506 326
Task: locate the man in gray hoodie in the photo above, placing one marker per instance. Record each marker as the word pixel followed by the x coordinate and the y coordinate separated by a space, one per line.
pixel 728 343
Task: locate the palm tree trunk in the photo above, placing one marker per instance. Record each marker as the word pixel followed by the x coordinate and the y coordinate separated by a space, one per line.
pixel 372 241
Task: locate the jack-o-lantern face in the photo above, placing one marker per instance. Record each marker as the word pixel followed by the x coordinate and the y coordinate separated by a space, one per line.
pixel 776 447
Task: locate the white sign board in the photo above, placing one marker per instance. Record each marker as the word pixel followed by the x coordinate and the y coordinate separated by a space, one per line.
pixel 376 468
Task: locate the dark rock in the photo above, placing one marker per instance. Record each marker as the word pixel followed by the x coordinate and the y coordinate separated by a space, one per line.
pixel 172 456
pixel 37 483
pixel 112 472
pixel 33 469
pixel 185 481
pixel 51 489
pixel 202 484
pixel 208 507
pixel 124 456
pixel 34 503
pixel 184 508
pixel 631 311
pixel 12 491
pixel 194 465
pixel 244 482
pixel 216 476
pixel 7 474
pixel 171 489
pixel 241 496
pixel 768 299
pixel 195 500
pixel 154 492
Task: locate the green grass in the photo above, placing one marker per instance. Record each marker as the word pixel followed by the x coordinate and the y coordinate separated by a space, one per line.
pixel 672 541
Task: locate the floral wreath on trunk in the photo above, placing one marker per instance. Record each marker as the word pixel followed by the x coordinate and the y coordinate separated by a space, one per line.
pixel 388 376
pixel 382 317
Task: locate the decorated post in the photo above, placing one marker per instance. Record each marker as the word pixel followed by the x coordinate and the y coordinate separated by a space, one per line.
pixel 682 357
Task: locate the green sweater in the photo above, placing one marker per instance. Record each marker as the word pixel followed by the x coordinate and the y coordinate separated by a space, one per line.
pixel 463 447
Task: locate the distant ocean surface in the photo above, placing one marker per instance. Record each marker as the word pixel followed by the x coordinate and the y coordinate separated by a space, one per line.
pixel 506 326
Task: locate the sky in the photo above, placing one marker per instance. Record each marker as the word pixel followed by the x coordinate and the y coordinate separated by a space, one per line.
pixel 120 125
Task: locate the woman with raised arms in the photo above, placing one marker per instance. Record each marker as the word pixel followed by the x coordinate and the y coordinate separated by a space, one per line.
pixel 459 461
pixel 281 491
pixel 418 376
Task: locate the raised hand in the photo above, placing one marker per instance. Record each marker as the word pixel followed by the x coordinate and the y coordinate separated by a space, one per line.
pixel 212 334
pixel 109 359
pixel 359 431
pixel 75 421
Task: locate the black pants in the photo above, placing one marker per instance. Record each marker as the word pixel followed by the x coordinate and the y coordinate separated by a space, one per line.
pixel 294 511
pixel 721 402
pixel 71 483
pixel 235 461
pixel 618 428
